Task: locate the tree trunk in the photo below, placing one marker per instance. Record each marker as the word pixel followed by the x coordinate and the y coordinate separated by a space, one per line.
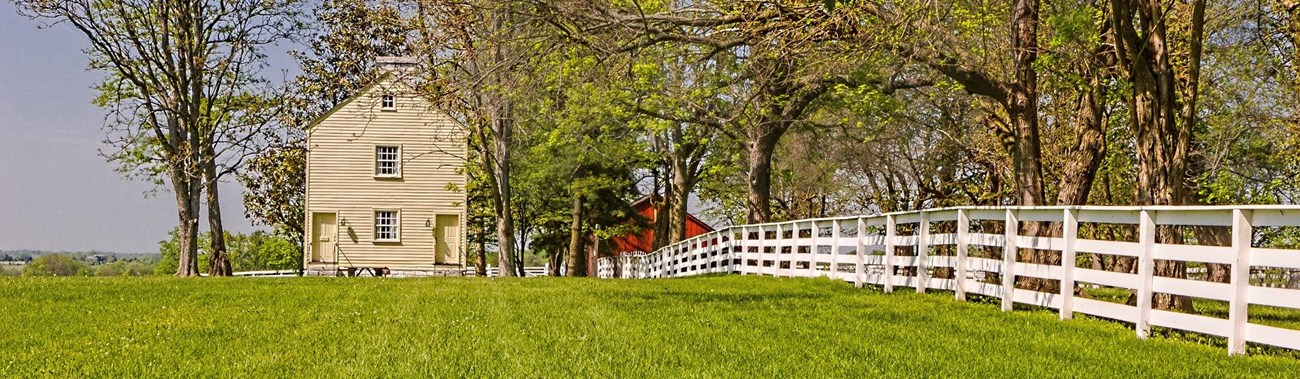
pixel 1026 152
pixel 555 261
pixel 682 180
pixel 218 259
pixel 1162 141
pixel 1022 104
pixel 500 119
pixel 188 222
pixel 576 260
pixel 761 146
pixel 662 219
pixel 480 259
pixel 1089 148
pixel 505 219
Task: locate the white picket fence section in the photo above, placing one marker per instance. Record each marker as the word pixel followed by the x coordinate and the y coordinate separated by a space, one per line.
pixel 529 271
pixel 864 250
pixel 267 273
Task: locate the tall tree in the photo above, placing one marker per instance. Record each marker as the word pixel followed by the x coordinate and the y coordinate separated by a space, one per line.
pixel 346 37
pixel 672 88
pixel 783 66
pixel 1162 105
pixel 477 50
pixel 177 71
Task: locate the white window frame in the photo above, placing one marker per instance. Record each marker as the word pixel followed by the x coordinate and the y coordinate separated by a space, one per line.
pixel 388 102
pixel 397 161
pixel 397 225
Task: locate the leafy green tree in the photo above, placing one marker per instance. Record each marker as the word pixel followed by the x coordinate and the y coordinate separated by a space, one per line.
pixel 263 251
pixel 347 36
pixel 248 252
pixel 581 150
pixel 180 75
pixel 56 265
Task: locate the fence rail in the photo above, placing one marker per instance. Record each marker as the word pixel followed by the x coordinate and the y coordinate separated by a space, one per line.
pixel 267 273
pixel 973 250
pixel 529 271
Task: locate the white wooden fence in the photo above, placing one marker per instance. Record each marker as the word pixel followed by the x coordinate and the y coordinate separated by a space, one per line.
pixel 866 250
pixel 529 271
pixel 267 273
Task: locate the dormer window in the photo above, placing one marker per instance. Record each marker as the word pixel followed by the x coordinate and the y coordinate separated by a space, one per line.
pixel 388 102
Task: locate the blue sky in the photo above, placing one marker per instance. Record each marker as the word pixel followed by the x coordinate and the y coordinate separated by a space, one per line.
pixel 56 192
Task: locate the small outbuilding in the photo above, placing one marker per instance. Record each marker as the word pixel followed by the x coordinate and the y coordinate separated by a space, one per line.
pixel 644 240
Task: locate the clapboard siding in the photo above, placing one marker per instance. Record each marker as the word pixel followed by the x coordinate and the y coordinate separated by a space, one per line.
pixel 341 179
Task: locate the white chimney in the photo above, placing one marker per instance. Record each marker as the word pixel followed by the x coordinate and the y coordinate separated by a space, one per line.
pixel 400 65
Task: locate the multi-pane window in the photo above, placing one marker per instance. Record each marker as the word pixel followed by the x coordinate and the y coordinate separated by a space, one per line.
pixel 387 161
pixel 388 102
pixel 386 226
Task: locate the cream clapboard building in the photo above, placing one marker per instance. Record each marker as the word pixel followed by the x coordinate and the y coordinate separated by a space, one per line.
pixel 385 188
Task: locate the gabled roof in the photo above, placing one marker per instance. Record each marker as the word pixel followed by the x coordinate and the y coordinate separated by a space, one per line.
pixel 357 95
pixel 645 200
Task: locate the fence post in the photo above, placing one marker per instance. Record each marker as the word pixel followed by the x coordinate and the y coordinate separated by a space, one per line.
pixel 744 251
pixel 676 258
pixel 1242 236
pixel 724 252
pixel 859 269
pixel 1070 233
pixel 835 249
pixel 923 253
pixel 780 242
pixel 963 227
pixel 731 255
pixel 815 239
pixel 776 250
pixel 793 241
pixel 762 252
pixel 1146 270
pixel 1009 250
pixel 889 253
pixel 793 227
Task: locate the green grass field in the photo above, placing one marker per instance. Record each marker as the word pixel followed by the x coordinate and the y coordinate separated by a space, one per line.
pixel 702 327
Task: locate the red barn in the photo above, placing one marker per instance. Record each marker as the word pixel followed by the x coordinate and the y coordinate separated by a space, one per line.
pixel 643 241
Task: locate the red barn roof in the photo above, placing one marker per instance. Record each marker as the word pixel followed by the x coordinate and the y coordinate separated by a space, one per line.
pixel 644 240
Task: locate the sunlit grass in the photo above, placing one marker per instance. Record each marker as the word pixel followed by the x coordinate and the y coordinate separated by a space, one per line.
pixel 702 327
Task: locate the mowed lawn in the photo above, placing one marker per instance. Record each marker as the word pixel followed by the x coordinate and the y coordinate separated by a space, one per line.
pixel 729 326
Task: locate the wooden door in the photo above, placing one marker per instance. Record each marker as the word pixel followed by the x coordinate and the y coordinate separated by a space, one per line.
pixel 446 239
pixel 324 231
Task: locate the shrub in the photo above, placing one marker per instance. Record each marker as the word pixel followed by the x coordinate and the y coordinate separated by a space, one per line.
pixel 56 265
pixel 247 252
pixel 262 251
pixel 10 271
pixel 124 268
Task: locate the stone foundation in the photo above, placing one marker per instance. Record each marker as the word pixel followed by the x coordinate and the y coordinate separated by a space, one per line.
pixel 380 271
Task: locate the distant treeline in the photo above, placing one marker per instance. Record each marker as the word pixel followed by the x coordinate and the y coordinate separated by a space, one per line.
pixel 92 256
pixel 248 252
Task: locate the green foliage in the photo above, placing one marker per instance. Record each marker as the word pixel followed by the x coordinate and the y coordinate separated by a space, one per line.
pixel 262 251
pixel 275 183
pixel 729 326
pixel 124 268
pixel 56 265
pixel 169 249
pixel 581 141
pixel 10 271
pixel 348 36
pixel 248 252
